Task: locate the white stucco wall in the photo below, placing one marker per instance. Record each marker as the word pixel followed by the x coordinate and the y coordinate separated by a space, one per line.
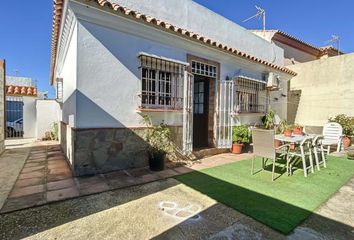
pixel 48 113
pixel 296 54
pixel 190 15
pixel 29 117
pixel 327 89
pixel 101 79
pixel 68 72
pixel 108 74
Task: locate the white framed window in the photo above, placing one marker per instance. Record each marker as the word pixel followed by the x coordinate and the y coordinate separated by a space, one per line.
pixel 204 69
pixel 59 89
pixel 250 95
pixel 161 82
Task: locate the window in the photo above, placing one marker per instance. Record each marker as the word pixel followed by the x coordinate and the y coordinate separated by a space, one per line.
pixel 250 95
pixel 204 69
pixel 59 89
pixel 162 83
pixel 198 98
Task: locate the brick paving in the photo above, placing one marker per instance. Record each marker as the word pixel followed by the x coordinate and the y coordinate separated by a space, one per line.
pixel 46 177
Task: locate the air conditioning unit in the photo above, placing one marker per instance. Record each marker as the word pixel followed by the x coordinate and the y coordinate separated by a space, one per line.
pixel 273 82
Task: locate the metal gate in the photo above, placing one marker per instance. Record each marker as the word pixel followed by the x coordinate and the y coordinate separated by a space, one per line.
pixel 14 117
pixel 188 113
pixel 225 110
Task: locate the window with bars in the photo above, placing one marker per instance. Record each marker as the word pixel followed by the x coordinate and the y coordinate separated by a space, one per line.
pixel 162 83
pixel 250 96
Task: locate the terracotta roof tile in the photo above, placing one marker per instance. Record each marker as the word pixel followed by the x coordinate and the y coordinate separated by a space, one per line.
pixel 21 90
pixel 320 51
pixel 58 7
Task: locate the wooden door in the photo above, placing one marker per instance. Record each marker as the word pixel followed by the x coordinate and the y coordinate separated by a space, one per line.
pixel 200 111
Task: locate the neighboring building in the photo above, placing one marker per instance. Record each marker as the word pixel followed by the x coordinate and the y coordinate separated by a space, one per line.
pixel 324 83
pixel 115 61
pixel 29 114
pixel 2 105
pixel 322 89
pixel 21 95
pixel 296 50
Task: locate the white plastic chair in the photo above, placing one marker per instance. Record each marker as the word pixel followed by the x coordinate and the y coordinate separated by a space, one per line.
pixel 332 135
pixel 305 150
pixel 318 148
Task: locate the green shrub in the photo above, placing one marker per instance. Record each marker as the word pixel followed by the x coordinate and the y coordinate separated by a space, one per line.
pixel 241 134
pixel 346 122
pixel 158 137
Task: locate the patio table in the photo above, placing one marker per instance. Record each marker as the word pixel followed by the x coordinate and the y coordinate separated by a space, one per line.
pixel 294 139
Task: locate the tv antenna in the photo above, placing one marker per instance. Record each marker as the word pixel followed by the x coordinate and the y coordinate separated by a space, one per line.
pixel 261 13
pixel 16 71
pixel 335 39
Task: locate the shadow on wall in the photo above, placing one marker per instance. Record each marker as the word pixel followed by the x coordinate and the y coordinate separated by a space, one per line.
pixel 206 223
pixel 294 97
pixel 100 150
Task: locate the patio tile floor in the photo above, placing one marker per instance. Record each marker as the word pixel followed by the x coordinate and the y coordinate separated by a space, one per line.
pixel 46 177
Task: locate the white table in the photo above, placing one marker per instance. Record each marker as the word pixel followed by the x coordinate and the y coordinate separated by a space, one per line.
pixel 295 139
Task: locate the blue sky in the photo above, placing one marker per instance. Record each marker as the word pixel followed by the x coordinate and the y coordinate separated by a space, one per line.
pixel 25 28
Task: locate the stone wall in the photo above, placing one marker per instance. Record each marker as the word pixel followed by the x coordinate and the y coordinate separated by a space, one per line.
pixel 103 150
pixel 2 105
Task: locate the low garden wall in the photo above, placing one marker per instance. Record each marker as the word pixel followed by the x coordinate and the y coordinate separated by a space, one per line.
pixel 96 151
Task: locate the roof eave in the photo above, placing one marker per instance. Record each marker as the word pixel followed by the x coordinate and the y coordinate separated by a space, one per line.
pixel 118 9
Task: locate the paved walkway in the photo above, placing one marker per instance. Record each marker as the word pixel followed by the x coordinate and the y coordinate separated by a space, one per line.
pixel 166 209
pixel 161 209
pixel 46 177
pixel 11 163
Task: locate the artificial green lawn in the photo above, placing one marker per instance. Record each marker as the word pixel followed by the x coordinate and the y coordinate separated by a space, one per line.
pixel 282 204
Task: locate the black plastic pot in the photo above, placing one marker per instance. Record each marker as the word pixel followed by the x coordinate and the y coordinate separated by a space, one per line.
pixel 157 161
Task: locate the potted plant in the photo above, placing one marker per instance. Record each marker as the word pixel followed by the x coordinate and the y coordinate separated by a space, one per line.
pixel 288 131
pixel 159 144
pixel 240 136
pixel 279 130
pixel 268 119
pixel 298 129
pixel 268 123
pixel 348 128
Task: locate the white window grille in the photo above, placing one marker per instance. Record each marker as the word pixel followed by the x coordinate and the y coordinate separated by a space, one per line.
pixel 59 90
pixel 162 82
pixel 250 95
pixel 204 69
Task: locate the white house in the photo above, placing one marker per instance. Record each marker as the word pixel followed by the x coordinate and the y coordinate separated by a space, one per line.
pixel 177 61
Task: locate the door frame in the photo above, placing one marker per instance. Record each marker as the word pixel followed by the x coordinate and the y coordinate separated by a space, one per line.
pixel 213 93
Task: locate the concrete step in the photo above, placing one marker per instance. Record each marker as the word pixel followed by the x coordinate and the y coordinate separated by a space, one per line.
pixel 207 152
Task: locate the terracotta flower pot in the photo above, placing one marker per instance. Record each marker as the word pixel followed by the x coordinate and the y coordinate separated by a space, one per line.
pixel 277 143
pixel 298 131
pixel 237 148
pixel 347 142
pixel 288 133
